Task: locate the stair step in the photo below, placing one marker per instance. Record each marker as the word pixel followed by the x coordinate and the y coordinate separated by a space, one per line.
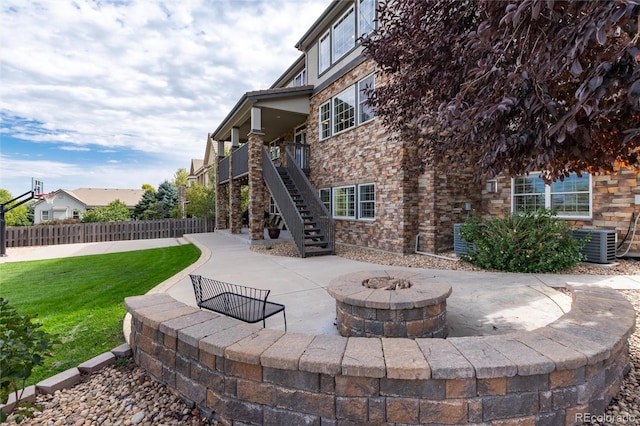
pixel 322 244
pixel 319 252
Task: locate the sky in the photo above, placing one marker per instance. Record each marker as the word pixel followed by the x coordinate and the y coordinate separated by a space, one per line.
pixel 121 93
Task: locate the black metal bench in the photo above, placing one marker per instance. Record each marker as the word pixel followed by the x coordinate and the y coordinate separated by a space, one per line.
pixel 244 303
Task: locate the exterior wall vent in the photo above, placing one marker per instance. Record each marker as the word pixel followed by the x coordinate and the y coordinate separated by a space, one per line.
pixel 602 246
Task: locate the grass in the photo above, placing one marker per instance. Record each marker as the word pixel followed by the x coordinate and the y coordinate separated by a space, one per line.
pixel 81 298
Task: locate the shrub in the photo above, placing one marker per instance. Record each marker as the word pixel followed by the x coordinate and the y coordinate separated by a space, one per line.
pixel 522 242
pixel 22 347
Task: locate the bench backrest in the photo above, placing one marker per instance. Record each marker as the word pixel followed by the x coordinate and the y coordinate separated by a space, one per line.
pixel 206 289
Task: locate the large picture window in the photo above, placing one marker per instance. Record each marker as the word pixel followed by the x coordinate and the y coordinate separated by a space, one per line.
pixel 569 198
pixel 344 110
pixel 366 17
pixel 344 34
pixel 344 202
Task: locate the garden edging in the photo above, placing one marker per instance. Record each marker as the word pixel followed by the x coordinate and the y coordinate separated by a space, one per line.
pixel 238 373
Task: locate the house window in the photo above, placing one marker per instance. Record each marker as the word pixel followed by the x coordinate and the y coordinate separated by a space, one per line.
pixel 344 32
pixel 344 106
pixel 366 201
pixel 570 198
pixel 366 17
pixel 325 197
pixel 325 120
pixel 44 215
pixel 365 111
pixel 324 52
pixel 274 151
pixel 344 202
pixel 273 207
pixel 76 214
pixel 301 79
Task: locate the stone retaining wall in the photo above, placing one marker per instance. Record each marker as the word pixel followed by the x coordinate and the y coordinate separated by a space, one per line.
pixel 243 375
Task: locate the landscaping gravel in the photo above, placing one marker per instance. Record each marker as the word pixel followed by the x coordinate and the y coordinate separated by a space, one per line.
pixel 123 395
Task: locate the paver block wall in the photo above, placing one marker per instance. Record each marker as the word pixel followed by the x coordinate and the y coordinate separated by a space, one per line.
pixel 241 374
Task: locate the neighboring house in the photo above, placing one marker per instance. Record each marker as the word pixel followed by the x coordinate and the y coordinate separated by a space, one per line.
pixel 201 169
pixel 64 204
pixel 371 193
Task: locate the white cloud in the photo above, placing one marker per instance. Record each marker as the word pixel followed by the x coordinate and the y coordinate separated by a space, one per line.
pixel 145 75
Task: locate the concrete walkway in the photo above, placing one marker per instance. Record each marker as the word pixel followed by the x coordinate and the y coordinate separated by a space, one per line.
pixel 481 302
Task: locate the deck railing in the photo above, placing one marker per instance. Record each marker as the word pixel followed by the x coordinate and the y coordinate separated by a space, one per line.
pixel 241 161
pixel 286 205
pixel 223 170
pixel 312 199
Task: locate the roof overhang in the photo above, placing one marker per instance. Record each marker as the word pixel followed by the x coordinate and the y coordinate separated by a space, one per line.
pixel 281 109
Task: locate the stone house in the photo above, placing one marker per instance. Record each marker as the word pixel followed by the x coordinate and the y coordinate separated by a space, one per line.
pixel 311 149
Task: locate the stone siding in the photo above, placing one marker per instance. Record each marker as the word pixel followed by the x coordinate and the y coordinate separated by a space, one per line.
pixel 613 204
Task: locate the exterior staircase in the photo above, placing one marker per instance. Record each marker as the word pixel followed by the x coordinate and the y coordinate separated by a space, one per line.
pixel 307 219
pixel 314 239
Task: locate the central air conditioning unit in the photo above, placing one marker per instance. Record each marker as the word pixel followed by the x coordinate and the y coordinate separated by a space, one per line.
pixel 460 246
pixel 601 248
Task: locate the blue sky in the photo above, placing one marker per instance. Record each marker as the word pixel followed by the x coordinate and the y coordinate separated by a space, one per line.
pixel 115 94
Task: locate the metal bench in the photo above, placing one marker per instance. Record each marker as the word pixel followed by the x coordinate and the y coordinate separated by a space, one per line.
pixel 244 303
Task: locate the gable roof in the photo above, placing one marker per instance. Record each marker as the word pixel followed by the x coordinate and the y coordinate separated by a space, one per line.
pixel 100 197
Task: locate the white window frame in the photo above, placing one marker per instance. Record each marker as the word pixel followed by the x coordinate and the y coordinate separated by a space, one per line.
pixel 341 41
pixel 362 98
pixel 364 20
pixel 300 79
pixel 362 202
pixel 273 207
pixel 324 52
pixel 335 203
pixel 548 193
pixel 44 215
pixel 338 118
pixel 325 123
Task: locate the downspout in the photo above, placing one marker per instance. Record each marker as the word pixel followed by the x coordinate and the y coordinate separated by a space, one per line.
pixel 453 259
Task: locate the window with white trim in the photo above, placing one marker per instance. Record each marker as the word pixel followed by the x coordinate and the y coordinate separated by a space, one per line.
pixel 273 207
pixel 300 79
pixel 324 52
pixel 344 110
pixel 44 215
pixel 366 17
pixel 366 201
pixel 325 197
pixel 365 111
pixel 344 202
pixel 339 113
pixel 569 198
pixel 76 214
pixel 344 34
pixel 325 120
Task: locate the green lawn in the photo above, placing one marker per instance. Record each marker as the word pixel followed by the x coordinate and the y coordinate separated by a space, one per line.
pixel 81 298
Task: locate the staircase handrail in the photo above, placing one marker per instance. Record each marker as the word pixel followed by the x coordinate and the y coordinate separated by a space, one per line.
pixel 290 214
pixel 311 197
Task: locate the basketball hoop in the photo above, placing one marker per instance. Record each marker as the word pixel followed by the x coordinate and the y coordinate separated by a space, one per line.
pixel 40 196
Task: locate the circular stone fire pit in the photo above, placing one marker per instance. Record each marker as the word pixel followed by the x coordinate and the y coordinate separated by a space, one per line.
pixel 390 304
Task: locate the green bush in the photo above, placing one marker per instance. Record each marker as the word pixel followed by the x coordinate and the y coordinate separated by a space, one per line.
pixel 523 242
pixel 22 347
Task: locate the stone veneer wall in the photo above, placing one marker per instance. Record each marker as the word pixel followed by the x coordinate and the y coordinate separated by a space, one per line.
pixel 244 375
pixel 613 204
pixel 361 155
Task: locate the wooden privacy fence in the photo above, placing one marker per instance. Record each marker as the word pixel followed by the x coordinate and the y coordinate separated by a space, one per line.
pixel 43 235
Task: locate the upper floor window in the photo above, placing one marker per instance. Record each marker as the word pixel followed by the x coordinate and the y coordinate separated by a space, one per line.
pixel 569 198
pixel 324 52
pixel 300 79
pixel 346 110
pixel 344 34
pixel 366 17
pixel 365 111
